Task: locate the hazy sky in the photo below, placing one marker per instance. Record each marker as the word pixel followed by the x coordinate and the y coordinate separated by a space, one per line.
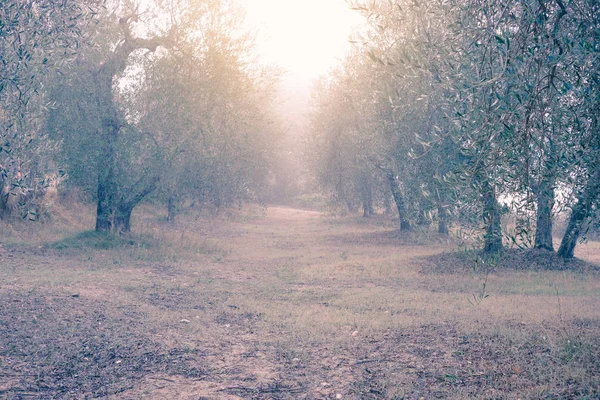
pixel 306 37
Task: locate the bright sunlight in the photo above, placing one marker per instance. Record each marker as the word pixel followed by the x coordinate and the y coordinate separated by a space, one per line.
pixel 305 37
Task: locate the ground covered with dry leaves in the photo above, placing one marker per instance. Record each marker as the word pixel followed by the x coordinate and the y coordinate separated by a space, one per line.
pixel 288 304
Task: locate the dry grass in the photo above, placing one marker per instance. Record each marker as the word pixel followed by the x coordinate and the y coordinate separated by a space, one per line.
pixel 285 304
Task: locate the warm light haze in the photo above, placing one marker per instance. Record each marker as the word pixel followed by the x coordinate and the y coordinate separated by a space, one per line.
pixel 306 38
pixel 300 199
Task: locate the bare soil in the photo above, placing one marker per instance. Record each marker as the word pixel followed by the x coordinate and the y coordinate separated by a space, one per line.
pixel 290 304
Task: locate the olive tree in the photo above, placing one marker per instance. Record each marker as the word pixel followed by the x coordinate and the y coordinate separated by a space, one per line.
pixel 36 37
pixel 88 118
pixel 181 111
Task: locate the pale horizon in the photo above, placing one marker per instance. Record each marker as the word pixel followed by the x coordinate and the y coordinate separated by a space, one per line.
pixel 305 38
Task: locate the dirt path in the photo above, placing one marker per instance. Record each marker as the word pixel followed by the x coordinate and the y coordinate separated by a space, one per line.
pixel 285 304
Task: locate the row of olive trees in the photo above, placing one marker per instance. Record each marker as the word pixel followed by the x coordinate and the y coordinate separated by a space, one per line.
pixel 165 102
pixel 476 99
pixel 216 102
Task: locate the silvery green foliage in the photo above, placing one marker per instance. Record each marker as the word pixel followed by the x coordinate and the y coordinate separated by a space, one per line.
pixel 181 112
pixel 36 38
pixel 484 107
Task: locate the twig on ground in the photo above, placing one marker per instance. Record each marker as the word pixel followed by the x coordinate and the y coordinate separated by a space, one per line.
pixel 162 379
pixel 371 361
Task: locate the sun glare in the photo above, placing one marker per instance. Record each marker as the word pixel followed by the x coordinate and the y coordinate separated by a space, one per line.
pixel 304 37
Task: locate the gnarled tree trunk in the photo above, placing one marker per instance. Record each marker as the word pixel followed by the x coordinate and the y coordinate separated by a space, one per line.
pixel 113 212
pixel 122 219
pixel 399 199
pixel 579 214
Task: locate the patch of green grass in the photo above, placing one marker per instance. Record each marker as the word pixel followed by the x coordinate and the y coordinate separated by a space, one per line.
pixel 99 241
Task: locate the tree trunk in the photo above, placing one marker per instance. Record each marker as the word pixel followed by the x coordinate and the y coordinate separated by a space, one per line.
pixel 4 195
pixel 580 213
pixel 545 198
pixel 342 197
pixel 545 203
pixel 171 209
pixel 106 177
pixel 399 199
pixel 114 215
pixel 368 207
pixel 443 220
pixel 103 209
pixel 569 240
pixel 122 219
pixel 367 196
pixel 491 217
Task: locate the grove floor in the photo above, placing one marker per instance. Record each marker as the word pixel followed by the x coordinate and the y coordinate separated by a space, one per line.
pixel 287 304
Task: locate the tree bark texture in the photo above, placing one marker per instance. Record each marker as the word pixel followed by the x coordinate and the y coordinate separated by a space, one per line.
pixel 545 203
pixel 579 214
pixel 399 199
pixel 106 175
pixel 545 196
pixel 443 220
pixel 491 217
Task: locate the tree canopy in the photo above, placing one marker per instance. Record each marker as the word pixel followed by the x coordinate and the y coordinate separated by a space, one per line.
pixel 463 100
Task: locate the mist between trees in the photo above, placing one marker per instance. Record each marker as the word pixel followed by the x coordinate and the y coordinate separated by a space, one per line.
pixel 457 112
